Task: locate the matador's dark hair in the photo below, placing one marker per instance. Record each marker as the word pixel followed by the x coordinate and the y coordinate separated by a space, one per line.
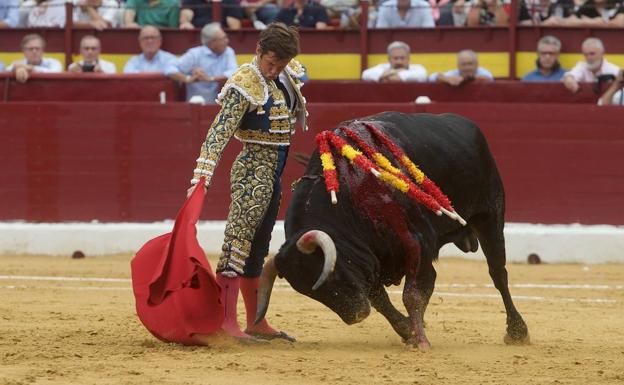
pixel 279 39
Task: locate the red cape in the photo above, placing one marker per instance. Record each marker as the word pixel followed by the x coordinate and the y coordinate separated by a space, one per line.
pixel 174 286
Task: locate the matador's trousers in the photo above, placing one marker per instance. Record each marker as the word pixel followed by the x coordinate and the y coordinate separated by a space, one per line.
pixel 255 193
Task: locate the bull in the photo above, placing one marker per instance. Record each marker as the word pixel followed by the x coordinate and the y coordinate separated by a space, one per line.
pixel 344 255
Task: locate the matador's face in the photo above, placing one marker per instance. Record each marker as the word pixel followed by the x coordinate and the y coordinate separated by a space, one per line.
pixel 270 64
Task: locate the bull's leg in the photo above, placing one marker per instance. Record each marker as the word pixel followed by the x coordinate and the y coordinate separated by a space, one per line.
pixel 400 323
pixel 490 234
pixel 416 293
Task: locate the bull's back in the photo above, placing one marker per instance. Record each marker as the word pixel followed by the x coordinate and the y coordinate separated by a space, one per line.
pixel 451 151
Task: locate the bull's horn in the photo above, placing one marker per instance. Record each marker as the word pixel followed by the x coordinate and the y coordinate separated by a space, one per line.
pixel 269 272
pixel 308 243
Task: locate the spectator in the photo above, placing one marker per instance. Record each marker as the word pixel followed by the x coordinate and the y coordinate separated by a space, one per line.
pixel 260 12
pixel 614 94
pixel 335 8
pixel 98 14
pixel 90 49
pixel 459 12
pixel 153 59
pixel 404 13
pixel 398 68
pixel 548 67
pixel 442 12
pixel 467 70
pixel 33 47
pixel 489 12
pixel 547 12
pixel 159 13
pixel 202 68
pixel 594 66
pixel 305 14
pixel 198 13
pixel 9 13
pixel 598 13
pixel 45 13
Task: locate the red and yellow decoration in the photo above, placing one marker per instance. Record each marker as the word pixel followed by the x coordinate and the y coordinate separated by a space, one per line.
pixel 373 161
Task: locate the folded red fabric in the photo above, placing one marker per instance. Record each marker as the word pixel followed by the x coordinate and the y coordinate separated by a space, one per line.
pixel 175 289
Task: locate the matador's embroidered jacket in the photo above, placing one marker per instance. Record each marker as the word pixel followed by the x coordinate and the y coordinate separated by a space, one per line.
pixel 253 110
pixel 262 115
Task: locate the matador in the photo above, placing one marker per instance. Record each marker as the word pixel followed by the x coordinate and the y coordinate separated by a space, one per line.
pixel 260 105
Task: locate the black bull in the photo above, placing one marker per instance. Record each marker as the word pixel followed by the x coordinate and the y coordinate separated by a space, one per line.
pixel 375 235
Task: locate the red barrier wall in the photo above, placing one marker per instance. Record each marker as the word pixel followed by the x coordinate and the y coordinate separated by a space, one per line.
pixel 132 161
pixel 147 87
pixel 72 87
pixel 500 91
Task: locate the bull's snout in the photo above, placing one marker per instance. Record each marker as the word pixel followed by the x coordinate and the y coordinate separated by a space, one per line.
pixel 356 316
pixel 361 316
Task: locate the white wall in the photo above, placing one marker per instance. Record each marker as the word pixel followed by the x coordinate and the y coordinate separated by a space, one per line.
pixel 553 243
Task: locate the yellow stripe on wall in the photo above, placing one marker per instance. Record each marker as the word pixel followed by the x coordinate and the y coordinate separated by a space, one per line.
pixel 347 66
pixel 331 66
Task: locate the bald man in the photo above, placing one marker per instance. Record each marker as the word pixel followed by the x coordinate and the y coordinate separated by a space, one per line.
pixel 153 59
pixel 467 70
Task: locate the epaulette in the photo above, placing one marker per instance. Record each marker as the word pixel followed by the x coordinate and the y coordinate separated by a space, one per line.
pixel 249 82
pixel 295 69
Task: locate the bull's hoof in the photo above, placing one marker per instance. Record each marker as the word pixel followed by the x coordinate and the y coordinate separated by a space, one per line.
pixel 421 345
pixel 524 340
pixel 517 332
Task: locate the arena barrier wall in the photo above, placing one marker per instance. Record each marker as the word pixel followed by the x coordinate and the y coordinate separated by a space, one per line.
pixel 131 161
pixel 102 163
pixel 152 87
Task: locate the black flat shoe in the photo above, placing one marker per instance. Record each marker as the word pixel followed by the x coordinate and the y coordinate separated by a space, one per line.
pixel 278 335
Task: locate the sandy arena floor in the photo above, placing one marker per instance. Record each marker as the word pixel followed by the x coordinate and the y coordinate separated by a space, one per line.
pixel 69 331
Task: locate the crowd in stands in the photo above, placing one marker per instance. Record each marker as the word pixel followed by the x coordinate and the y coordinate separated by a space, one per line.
pixel 319 14
pixel 203 68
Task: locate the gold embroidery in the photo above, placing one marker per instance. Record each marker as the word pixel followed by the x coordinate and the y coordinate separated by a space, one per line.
pixel 280 125
pixel 295 69
pixel 279 111
pixel 249 82
pixel 252 179
pixel 253 136
pixel 225 124
pixel 276 94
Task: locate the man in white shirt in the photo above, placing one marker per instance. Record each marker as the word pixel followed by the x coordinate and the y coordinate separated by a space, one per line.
pixel 405 14
pixel 468 70
pixel 90 49
pixel 202 68
pixel 153 59
pixel 33 47
pixel 589 70
pixel 398 68
pixel 9 13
